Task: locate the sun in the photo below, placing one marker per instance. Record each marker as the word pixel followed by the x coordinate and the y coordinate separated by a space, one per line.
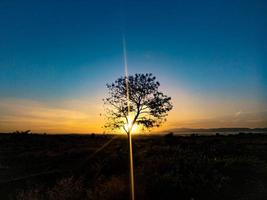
pixel 130 125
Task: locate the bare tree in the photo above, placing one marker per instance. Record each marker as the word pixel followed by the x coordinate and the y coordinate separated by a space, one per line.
pixel 141 104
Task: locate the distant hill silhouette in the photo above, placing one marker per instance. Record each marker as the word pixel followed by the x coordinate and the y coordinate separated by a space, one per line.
pixel 211 130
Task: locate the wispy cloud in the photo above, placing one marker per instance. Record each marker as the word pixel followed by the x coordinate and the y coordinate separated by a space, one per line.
pixel 70 116
pixel 82 116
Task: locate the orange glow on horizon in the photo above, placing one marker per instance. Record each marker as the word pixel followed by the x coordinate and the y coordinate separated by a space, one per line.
pixel 130 125
pixel 83 115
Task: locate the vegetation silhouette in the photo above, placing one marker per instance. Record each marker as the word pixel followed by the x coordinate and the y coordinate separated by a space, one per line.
pixel 22 132
pixel 168 167
pixel 145 105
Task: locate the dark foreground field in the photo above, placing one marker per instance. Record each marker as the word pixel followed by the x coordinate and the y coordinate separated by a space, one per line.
pixel 34 167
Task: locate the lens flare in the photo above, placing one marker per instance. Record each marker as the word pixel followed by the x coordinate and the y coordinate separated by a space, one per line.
pixel 129 126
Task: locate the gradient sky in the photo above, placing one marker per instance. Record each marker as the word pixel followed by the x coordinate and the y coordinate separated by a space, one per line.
pixel 57 56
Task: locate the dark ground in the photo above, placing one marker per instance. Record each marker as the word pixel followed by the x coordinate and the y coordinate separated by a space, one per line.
pixel 34 167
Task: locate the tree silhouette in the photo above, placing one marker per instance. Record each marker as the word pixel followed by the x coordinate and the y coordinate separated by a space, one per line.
pixel 141 104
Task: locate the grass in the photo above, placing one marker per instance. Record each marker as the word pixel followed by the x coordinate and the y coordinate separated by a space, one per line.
pixel 37 167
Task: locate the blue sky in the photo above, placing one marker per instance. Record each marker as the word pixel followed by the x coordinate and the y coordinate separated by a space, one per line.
pixel 211 54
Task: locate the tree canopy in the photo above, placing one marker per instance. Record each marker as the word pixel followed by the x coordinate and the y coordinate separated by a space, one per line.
pixel 141 104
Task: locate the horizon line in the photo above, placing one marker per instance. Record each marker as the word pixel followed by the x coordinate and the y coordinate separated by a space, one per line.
pixel 183 129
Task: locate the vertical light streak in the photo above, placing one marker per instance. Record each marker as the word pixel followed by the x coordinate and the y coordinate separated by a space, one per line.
pixel 128 106
pixel 126 71
pixel 131 165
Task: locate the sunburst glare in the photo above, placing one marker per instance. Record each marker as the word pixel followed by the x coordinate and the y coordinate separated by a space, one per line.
pixel 129 126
